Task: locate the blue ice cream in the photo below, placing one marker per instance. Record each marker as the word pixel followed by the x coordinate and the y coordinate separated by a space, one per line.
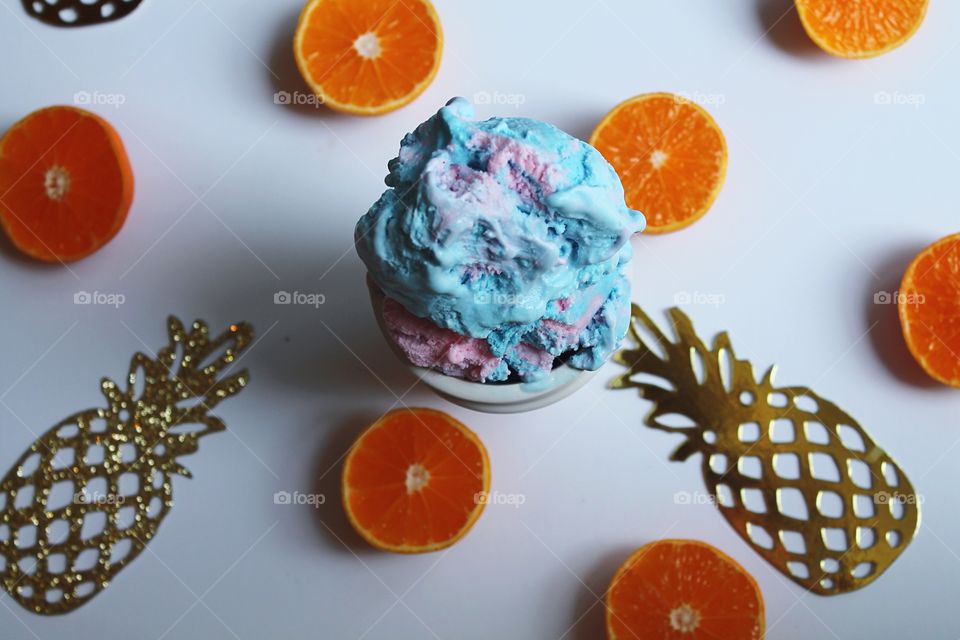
pixel 501 245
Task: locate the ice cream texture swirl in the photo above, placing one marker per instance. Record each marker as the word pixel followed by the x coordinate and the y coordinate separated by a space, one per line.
pixel 510 237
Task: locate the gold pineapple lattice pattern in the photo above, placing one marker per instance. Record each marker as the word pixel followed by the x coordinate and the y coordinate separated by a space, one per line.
pixel 87 496
pixel 77 13
pixel 792 473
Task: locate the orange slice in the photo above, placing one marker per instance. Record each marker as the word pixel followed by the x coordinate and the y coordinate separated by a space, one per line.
pixel 368 57
pixel 414 481
pixel 929 305
pixel 683 589
pixel 65 184
pixel 861 28
pixel 670 154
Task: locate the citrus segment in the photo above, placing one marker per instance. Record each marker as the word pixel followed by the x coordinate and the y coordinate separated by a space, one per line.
pixel 65 184
pixel 414 481
pixel 929 306
pixel 861 28
pixel 670 155
pixel 683 590
pixel 368 57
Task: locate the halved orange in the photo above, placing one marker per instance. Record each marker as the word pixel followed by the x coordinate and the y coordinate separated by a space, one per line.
pixel 861 28
pixel 929 306
pixel 670 155
pixel 65 183
pixel 415 481
pixel 368 57
pixel 683 589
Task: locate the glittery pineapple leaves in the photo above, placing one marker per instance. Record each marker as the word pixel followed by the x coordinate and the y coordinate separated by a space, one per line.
pixel 90 493
pixel 798 479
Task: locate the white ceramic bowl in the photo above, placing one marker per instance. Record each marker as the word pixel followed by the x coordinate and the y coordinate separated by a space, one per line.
pixel 488 398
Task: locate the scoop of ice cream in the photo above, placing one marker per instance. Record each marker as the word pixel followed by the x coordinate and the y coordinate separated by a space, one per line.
pixel 427 345
pixel 508 232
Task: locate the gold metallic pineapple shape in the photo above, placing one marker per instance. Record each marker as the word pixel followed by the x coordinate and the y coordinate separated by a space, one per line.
pixel 793 474
pixel 87 496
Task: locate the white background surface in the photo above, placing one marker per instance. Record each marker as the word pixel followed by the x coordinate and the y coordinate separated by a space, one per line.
pixel 827 197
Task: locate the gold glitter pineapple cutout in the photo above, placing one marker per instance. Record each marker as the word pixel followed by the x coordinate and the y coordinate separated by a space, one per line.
pixel 87 496
pixel 796 477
